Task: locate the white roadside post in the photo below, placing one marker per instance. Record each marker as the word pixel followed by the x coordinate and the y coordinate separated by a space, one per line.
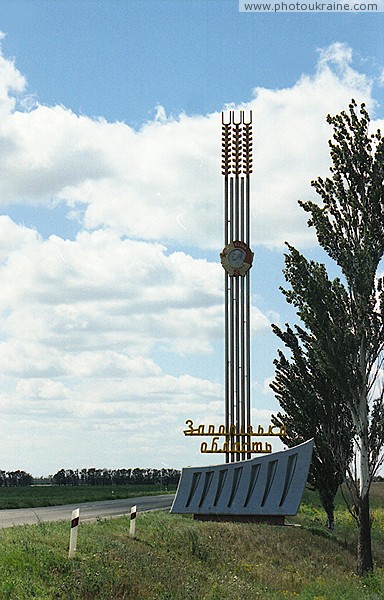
pixel 74 528
pixel 133 521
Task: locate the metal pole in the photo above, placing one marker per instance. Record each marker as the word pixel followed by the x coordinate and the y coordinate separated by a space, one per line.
pixel 226 318
pixel 243 404
pixel 228 215
pixel 227 362
pixel 232 415
pixel 248 167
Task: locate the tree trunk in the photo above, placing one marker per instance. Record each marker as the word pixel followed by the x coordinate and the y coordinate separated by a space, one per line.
pixel 364 546
pixel 330 524
pixel 327 498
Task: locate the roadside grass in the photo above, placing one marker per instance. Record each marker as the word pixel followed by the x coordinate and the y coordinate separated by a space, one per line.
pixel 47 495
pixel 175 557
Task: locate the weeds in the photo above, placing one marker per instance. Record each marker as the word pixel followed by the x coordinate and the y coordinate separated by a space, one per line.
pixel 174 557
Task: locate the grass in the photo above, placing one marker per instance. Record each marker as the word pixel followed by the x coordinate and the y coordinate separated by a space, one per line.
pixel 175 557
pixel 46 495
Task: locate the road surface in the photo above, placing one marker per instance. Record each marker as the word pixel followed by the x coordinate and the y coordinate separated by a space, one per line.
pixel 88 510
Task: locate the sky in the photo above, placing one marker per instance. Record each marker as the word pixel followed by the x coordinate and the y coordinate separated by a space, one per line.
pixel 111 211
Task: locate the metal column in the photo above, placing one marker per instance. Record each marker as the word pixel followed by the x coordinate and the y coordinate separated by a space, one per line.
pixel 236 169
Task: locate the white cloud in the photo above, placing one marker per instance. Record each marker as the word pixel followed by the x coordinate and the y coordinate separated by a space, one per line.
pixel 163 182
pixel 381 78
pixel 81 324
pixel 11 81
pixel 337 59
pixel 99 291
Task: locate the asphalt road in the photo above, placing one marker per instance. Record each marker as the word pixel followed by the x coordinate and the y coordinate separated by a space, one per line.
pixel 88 510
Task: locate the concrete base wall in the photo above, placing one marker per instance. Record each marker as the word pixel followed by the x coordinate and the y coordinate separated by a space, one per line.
pixel 267 519
pixel 269 485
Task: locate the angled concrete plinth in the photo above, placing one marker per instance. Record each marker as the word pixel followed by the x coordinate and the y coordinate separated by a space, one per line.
pixel 266 488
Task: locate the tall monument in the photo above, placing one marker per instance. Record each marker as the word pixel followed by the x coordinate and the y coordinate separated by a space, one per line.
pixel 236 259
pixel 269 487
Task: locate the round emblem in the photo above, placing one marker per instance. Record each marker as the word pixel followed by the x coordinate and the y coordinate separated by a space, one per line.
pixel 236 258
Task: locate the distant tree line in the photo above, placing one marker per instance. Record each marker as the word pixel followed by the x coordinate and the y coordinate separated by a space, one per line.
pixel 115 476
pixel 15 479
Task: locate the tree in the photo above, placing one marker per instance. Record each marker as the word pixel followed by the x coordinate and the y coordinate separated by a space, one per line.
pixel 59 478
pixel 304 393
pixel 95 476
pixel 349 352
pixel 19 479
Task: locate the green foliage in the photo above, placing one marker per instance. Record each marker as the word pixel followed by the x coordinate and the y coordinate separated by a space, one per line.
pixel 339 350
pixel 349 225
pixel 313 405
pixel 95 476
pixel 15 479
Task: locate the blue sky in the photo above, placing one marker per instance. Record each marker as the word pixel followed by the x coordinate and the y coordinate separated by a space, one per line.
pixel 111 210
pixel 119 58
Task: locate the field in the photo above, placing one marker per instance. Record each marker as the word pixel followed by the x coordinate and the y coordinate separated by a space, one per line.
pixel 175 557
pixel 52 495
